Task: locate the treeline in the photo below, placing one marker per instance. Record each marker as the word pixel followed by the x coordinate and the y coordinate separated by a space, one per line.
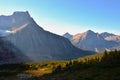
pixel 20 67
pixel 109 59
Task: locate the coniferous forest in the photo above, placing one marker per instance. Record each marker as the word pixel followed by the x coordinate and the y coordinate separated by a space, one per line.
pixel 106 67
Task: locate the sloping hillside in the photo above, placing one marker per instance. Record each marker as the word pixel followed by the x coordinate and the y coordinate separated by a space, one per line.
pixel 98 67
pixel 10 53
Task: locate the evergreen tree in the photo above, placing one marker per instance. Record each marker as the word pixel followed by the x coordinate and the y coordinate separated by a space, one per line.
pixel 58 69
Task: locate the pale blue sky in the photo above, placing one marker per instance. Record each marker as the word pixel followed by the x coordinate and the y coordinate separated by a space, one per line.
pixel 74 16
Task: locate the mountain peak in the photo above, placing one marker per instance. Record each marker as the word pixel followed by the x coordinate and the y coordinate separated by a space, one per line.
pixel 67 35
pixel 90 31
pixel 106 34
pixel 21 13
pixel 15 20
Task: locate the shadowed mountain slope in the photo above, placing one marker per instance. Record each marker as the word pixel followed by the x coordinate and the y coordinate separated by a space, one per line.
pixel 10 54
pixel 36 43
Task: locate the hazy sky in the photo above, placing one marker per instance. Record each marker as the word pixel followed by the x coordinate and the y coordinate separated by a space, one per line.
pixel 74 16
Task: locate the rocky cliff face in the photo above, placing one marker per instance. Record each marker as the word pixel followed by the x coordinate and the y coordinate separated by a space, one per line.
pixel 90 40
pixel 36 43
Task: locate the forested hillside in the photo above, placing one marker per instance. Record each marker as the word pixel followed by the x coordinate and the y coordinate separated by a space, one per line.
pixel 102 67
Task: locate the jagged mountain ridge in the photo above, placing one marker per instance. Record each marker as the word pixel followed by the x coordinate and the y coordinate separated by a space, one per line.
pixel 35 42
pixel 111 37
pixel 68 35
pixel 106 34
pixel 90 40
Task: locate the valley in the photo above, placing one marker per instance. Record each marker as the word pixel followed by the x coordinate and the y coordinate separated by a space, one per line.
pixel 28 52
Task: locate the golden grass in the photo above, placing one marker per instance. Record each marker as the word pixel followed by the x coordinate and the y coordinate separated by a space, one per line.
pixel 48 66
pixel 39 72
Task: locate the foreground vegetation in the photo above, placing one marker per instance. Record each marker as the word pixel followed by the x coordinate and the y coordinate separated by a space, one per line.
pixel 98 67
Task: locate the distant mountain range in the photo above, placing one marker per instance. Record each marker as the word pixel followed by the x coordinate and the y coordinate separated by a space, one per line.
pixel 97 42
pixel 36 43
